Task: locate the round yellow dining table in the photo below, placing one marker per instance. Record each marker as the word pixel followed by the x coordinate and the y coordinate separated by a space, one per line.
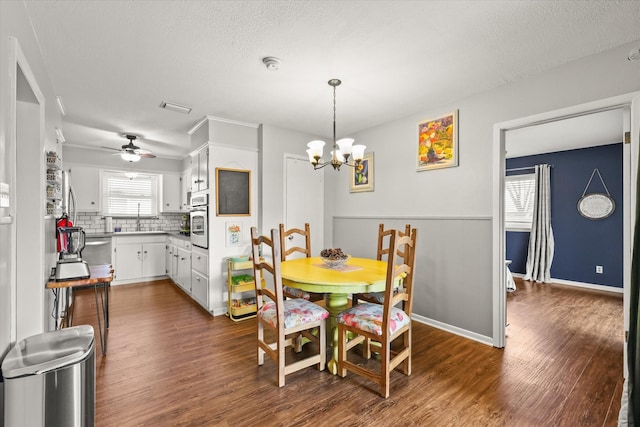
pixel 358 275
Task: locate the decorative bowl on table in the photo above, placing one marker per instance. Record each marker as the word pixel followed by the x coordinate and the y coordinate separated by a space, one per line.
pixel 334 258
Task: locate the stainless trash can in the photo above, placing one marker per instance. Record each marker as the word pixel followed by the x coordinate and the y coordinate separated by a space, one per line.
pixel 49 380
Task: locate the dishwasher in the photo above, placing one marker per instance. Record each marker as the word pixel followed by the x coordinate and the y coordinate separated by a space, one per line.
pixel 97 250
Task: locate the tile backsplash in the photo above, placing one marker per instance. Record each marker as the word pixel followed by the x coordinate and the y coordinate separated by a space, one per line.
pixel 93 223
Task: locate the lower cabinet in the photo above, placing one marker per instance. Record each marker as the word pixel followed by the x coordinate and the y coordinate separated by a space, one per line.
pixel 139 258
pixel 183 273
pixel 200 276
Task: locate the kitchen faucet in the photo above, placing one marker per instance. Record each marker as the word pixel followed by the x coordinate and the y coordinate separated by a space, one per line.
pixel 138 219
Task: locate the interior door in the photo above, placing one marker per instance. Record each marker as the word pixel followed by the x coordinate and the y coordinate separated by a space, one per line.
pixel 304 201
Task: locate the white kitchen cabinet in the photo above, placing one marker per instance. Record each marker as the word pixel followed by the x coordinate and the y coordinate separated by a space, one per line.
pixel 185 190
pixel 200 276
pixel 183 275
pixel 171 259
pixel 85 181
pixel 128 261
pixel 171 197
pixel 200 170
pixel 139 258
pixel 153 259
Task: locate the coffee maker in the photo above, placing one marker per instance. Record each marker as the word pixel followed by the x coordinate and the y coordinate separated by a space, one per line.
pixel 70 264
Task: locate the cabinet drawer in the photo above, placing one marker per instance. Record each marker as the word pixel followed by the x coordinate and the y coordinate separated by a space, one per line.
pixel 199 287
pixel 200 262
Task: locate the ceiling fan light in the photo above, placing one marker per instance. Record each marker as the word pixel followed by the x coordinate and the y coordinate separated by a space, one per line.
pixel 129 157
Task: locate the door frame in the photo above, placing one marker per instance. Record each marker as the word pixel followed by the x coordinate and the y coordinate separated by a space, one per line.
pixel 630 100
pixel 314 230
pixel 32 319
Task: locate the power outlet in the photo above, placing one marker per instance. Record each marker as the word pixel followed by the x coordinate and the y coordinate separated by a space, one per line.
pixel 599 269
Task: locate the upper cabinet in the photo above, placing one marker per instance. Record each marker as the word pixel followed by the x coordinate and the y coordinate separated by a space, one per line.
pixel 85 181
pixel 185 190
pixel 171 193
pixel 200 170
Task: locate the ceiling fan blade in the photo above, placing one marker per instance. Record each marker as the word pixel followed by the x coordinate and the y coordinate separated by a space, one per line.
pixel 109 148
pixel 147 155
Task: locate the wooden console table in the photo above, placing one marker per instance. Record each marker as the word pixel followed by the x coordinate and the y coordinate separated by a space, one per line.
pixel 101 277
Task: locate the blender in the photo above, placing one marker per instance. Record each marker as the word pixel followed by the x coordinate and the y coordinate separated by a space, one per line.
pixel 70 264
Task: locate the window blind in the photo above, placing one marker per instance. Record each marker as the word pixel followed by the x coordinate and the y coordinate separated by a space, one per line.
pixel 519 199
pixel 122 195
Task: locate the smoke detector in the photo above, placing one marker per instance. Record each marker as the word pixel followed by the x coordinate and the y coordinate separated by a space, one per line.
pixel 271 62
pixel 634 55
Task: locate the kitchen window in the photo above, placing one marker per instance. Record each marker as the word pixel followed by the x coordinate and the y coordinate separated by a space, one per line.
pixel 123 196
pixel 519 199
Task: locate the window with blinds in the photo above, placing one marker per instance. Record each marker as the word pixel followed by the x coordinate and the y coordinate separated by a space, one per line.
pixel 519 199
pixel 121 196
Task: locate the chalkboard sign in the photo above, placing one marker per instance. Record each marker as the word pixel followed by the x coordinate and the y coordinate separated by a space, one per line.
pixel 233 192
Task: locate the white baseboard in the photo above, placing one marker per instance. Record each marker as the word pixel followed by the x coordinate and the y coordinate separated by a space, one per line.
pixel 579 284
pixel 453 329
pixel 142 279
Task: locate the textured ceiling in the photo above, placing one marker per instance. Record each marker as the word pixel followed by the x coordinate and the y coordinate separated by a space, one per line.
pixel 113 62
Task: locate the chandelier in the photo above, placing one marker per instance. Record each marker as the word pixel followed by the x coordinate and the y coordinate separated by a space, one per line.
pixel 342 149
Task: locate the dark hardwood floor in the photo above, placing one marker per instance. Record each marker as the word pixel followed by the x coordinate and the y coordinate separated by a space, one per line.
pixel 170 363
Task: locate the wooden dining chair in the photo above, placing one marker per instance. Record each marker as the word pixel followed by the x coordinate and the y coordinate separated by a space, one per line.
pixel 288 235
pixel 286 318
pixel 382 323
pixel 383 251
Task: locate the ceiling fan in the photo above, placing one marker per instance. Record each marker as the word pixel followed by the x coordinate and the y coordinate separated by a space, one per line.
pixel 131 152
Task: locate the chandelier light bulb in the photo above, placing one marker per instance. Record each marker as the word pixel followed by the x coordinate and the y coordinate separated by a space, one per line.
pixel 358 152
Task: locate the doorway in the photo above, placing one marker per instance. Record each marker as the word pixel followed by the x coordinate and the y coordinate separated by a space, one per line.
pixel 498 255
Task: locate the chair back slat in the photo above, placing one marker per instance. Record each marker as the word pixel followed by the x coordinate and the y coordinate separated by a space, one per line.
pixel 400 262
pixel 271 264
pixel 384 234
pixel 284 236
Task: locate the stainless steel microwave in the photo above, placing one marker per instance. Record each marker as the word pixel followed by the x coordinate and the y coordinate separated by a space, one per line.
pixel 199 200
pixel 199 226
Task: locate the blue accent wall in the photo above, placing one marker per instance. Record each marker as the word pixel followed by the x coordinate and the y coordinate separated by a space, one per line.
pixel 580 243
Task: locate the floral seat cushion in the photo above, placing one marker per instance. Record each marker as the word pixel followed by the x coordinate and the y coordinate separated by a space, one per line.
pixel 375 296
pixel 296 312
pixel 368 317
pixel 296 293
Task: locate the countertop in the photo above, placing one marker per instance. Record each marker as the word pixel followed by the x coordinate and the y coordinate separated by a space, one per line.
pixel 139 233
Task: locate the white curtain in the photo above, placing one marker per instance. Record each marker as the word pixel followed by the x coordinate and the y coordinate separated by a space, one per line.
pixel 541 243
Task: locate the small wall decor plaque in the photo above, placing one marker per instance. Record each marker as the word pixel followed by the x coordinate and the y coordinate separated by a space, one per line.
pixel 596 205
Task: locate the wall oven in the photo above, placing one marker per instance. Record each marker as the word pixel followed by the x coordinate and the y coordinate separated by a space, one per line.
pixel 200 220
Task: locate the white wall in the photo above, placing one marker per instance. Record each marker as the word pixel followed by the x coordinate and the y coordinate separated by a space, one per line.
pixel 15 23
pixel 465 192
pixel 233 158
pixel 274 143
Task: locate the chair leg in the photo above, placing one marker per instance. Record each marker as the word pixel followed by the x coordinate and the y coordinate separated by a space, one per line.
pixel 281 360
pixel 407 344
pixel 384 374
pixel 366 348
pixel 322 343
pixel 342 351
pixel 260 339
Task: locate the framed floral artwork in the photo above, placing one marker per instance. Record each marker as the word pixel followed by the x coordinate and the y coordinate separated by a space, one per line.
pixel 438 142
pixel 362 175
